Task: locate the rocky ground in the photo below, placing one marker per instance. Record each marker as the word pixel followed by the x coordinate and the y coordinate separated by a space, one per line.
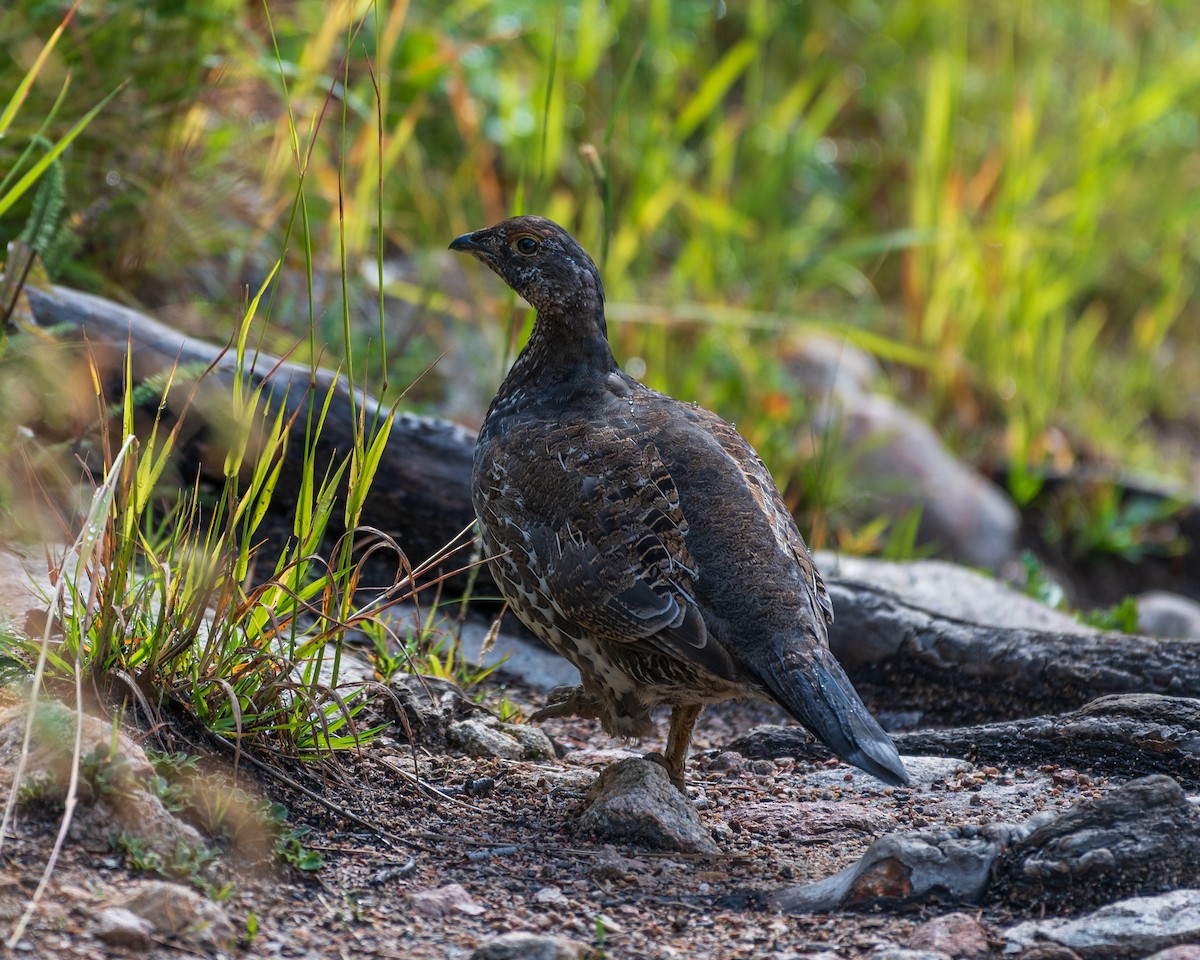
pixel 432 853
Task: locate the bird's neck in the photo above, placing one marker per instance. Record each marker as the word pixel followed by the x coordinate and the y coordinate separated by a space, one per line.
pixel 569 344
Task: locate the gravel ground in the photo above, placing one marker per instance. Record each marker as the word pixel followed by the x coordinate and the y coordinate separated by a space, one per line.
pixel 503 831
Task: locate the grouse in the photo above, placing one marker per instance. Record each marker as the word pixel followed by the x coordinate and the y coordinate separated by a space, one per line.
pixel 642 538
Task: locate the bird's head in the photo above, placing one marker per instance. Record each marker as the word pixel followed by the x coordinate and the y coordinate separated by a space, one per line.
pixel 541 261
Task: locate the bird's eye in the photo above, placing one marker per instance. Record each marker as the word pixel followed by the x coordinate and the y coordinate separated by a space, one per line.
pixel 526 246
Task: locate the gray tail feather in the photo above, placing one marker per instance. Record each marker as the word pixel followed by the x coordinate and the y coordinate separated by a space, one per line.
pixel 817 692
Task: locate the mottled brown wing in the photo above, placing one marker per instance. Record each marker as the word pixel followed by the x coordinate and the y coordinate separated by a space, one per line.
pixel 619 568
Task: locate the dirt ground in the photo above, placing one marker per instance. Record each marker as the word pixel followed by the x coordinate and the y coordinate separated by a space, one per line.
pixel 504 831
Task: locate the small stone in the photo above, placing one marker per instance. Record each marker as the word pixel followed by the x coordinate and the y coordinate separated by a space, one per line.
pixel 443 901
pixel 633 801
pixel 610 865
pixel 901 464
pixel 957 934
pixel 1164 614
pixel 477 739
pixel 521 945
pixel 954 864
pixel 550 895
pixel 174 910
pixel 727 762
pixel 123 928
pixel 535 745
pixel 889 951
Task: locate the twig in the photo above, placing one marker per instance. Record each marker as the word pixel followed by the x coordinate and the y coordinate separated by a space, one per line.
pixel 329 804
pixel 428 787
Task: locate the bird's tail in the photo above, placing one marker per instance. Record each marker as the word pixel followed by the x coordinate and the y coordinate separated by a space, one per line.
pixel 815 690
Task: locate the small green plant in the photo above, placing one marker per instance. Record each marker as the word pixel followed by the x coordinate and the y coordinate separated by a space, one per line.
pixel 387 657
pixel 1133 527
pixel 441 657
pixel 507 711
pixel 1038 585
pixel 227 812
pixel 105 771
pixel 39 791
pixel 197 865
pixel 1122 617
pixel 140 853
pixel 430 648
pixel 176 765
pixel 288 841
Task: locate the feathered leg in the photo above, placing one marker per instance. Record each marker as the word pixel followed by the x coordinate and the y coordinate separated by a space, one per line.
pixel 679 738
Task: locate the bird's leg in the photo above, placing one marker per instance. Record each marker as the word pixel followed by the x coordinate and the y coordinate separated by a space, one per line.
pixel 679 738
pixel 568 701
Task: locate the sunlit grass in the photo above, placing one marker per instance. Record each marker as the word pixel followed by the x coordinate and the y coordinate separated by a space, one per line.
pixel 1000 203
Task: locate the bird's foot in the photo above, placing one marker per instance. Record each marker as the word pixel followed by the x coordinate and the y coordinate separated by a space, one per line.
pixel 568 701
pixel 676 776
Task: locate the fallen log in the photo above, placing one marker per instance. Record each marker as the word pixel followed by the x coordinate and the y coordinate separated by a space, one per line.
pixel 951 671
pixel 422 495
pixel 1121 736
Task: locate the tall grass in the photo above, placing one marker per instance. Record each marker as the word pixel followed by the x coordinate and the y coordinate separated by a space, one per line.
pixel 164 598
pixel 998 201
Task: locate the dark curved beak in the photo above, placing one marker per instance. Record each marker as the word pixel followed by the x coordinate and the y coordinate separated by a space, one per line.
pixel 464 244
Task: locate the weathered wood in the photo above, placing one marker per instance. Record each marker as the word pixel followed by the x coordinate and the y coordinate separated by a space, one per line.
pixel 953 671
pixel 422 495
pixel 1142 838
pixel 1118 736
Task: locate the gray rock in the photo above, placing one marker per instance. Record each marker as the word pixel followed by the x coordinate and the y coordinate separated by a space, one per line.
pixel 115 794
pixel 952 591
pixel 22 588
pixel 633 801
pixel 1163 614
pixel 535 745
pixel 958 935
pixel 1126 929
pixel 532 946
pixel 1185 951
pixel 444 901
pixel 953 865
pixel 1142 837
pixel 485 736
pixel 122 927
pixel 479 739
pixel 831 367
pixel 430 706
pixel 177 911
pixel 897 461
pixel 921 770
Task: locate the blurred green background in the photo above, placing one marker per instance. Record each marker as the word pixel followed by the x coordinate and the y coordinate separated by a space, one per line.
pixel 997 200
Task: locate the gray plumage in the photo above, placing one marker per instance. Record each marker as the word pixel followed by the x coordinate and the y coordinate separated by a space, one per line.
pixel 642 538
